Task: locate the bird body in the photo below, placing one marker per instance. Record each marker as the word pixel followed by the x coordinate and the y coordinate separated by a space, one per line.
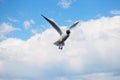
pixel 62 39
pixel 63 36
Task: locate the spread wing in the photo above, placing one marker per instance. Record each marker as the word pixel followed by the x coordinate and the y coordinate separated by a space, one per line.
pixel 53 24
pixel 74 25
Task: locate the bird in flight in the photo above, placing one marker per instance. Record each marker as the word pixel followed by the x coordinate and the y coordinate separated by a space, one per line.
pixel 63 36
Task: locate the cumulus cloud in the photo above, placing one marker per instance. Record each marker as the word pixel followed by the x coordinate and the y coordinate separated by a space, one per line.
pixel 86 56
pixel 28 23
pixel 6 28
pixel 101 76
pixel 65 3
pixel 116 12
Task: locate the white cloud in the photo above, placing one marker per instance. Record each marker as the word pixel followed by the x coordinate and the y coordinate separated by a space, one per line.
pixel 86 56
pixel 101 76
pixel 98 15
pixel 28 23
pixel 34 31
pixel 6 28
pixel 37 30
pixel 92 76
pixel 69 21
pixel 116 12
pixel 12 19
pixel 65 3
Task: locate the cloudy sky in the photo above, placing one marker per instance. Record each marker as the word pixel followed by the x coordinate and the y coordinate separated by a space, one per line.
pixel 92 52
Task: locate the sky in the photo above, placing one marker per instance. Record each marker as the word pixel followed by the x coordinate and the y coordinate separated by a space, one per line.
pixel 91 52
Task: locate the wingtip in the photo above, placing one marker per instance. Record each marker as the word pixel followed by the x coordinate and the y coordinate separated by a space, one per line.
pixel 78 22
pixel 42 15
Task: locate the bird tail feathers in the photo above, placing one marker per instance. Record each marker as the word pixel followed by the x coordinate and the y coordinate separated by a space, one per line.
pixel 58 43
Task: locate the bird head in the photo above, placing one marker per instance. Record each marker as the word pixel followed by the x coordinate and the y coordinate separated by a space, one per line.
pixel 68 31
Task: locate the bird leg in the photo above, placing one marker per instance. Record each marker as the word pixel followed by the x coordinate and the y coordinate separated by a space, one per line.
pixel 61 46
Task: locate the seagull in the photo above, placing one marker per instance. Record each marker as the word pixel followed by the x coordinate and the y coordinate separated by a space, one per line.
pixel 63 36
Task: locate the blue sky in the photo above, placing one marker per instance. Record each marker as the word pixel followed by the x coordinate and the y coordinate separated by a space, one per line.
pixel 24 10
pixel 26 40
